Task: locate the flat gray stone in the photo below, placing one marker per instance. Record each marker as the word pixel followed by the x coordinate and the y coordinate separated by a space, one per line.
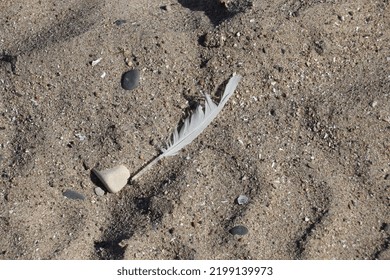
pixel 239 230
pixel 130 79
pixel 73 195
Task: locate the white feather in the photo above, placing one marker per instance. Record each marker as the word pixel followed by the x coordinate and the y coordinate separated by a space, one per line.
pixel 199 120
pixel 194 125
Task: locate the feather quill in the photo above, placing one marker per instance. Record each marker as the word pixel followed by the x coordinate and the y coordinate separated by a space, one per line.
pixel 193 125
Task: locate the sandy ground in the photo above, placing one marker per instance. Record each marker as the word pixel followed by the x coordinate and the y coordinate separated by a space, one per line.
pixel 305 137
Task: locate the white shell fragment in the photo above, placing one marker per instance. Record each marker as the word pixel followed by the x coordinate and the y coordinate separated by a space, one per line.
pixel 95 62
pixel 242 199
pixel 114 179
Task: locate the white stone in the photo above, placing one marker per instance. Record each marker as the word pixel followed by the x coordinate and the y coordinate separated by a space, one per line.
pixel 114 179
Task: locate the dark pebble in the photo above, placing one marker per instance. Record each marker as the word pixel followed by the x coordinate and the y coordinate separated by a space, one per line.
pixel 130 79
pixel 239 230
pixel 73 195
pixel 119 22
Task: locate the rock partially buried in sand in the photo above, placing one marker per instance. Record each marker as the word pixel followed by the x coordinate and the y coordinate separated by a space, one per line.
pixel 114 179
pixel 73 195
pixel 130 79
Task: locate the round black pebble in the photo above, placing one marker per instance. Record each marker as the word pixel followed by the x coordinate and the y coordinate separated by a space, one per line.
pixel 239 230
pixel 130 79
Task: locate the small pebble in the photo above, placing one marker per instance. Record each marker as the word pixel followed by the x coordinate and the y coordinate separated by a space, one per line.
pixel 130 79
pixel 80 136
pixel 119 22
pixel 128 62
pixel 99 191
pixel 73 195
pixel 242 199
pixel 239 230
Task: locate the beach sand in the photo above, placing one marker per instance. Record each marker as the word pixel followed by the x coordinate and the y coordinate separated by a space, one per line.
pixel 305 136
